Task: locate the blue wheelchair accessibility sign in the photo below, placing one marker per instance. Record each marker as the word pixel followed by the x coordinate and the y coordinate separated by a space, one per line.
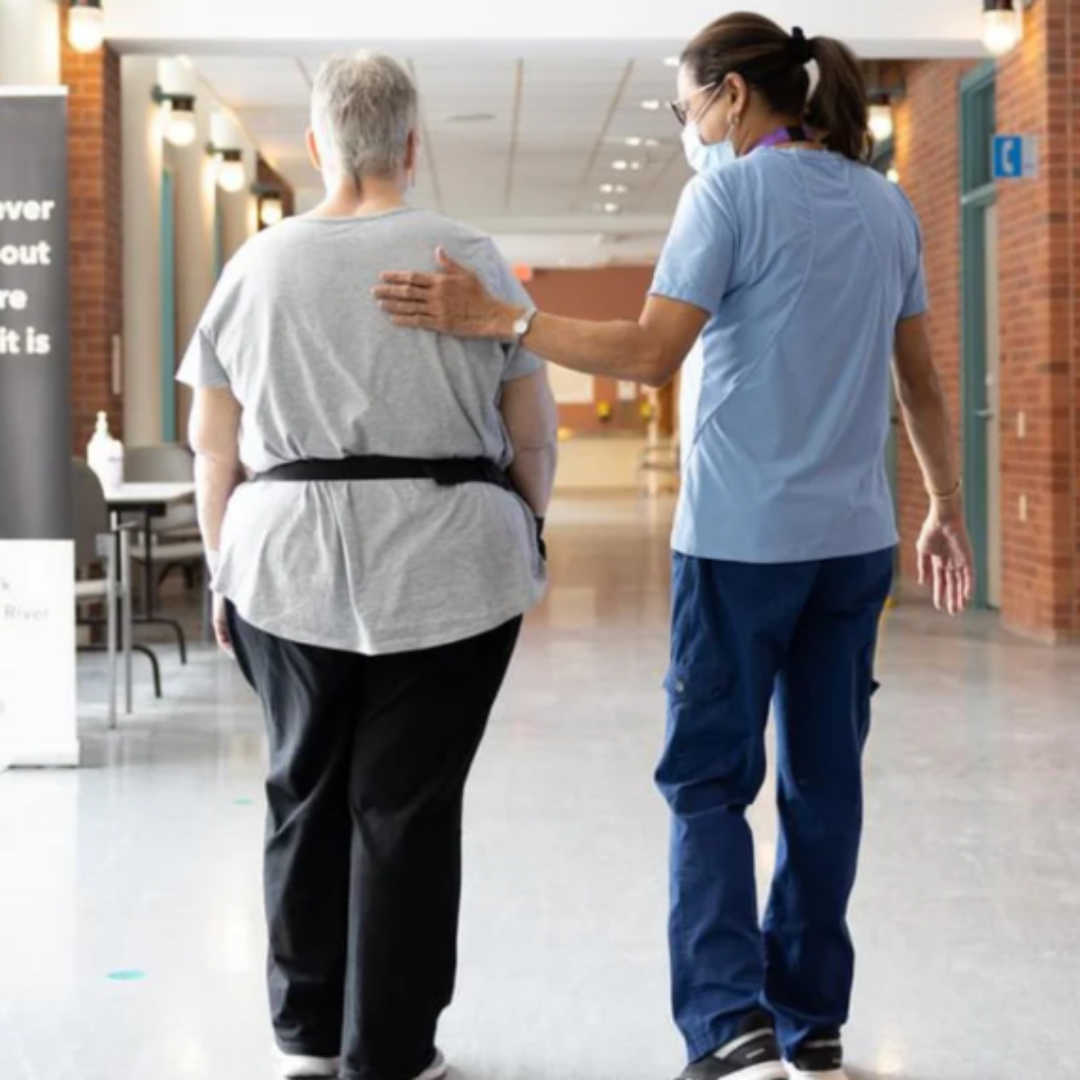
pixel 1016 157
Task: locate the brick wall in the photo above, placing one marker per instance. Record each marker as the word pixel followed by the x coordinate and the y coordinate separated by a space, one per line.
pixel 928 158
pixel 96 243
pixel 1038 92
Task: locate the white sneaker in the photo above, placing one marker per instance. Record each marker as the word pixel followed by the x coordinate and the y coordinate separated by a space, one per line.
pixel 302 1067
pixel 436 1070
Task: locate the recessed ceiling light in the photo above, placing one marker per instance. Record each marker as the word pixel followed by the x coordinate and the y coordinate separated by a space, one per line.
pixel 635 166
pixel 620 166
pixel 621 189
pixel 634 140
pixel 611 208
pixel 470 118
pixel 671 61
pixel 652 143
pixel 607 189
pixel 651 104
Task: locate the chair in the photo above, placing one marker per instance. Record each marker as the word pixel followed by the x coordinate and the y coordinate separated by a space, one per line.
pixel 175 538
pixel 159 464
pixel 97 543
pixel 176 541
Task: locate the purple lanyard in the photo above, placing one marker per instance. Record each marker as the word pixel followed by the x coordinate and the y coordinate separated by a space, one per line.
pixel 779 137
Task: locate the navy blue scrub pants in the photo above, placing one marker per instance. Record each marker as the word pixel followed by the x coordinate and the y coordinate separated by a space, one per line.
pixel 801 636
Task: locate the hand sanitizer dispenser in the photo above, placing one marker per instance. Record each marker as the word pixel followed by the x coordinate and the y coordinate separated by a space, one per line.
pixel 105 455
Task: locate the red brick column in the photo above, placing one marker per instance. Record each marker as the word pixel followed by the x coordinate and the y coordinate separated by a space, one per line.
pixel 94 170
pixel 928 159
pixel 1038 93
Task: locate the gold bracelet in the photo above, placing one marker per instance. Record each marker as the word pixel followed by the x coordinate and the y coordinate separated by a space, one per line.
pixel 945 496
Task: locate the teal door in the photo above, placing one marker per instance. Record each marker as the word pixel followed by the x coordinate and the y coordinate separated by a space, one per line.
pixel 167 349
pixel 981 356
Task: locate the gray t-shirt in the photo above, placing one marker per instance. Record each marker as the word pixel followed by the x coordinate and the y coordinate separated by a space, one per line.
pixel 320 372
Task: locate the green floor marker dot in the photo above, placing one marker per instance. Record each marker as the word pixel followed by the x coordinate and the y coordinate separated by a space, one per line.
pixel 243 802
pixel 126 976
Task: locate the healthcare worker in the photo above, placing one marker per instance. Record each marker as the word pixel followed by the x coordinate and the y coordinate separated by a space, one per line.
pixel 800 269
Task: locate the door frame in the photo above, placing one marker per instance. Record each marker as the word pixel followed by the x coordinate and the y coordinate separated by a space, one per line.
pixel 883 160
pixel 977 192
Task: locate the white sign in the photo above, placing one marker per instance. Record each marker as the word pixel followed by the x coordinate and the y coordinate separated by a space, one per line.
pixel 37 654
pixel 628 391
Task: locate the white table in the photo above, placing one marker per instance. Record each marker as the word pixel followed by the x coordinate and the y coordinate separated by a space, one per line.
pixel 151 500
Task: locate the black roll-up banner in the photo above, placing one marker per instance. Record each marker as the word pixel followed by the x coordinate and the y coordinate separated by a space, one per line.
pixel 35 342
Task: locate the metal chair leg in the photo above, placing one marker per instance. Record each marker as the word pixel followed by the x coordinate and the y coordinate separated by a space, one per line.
pixel 110 629
pixel 181 637
pixel 155 667
pixel 127 628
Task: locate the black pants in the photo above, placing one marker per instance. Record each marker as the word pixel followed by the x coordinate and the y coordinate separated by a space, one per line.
pixel 368 762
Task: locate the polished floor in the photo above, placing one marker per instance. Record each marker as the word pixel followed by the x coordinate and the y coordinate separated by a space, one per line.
pixel 131 945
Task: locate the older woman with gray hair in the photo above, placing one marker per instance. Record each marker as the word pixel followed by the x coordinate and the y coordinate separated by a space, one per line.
pixel 370 576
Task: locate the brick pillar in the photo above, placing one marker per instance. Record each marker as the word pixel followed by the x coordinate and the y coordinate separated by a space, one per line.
pixel 96 250
pixel 928 159
pixel 1038 93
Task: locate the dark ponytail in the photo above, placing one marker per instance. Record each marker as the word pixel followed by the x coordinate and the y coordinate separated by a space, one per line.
pixel 774 63
pixel 838 107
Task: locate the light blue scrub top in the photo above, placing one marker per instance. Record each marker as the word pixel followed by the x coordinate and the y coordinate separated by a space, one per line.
pixel 805 262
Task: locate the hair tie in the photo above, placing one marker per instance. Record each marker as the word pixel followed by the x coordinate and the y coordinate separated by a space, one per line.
pixel 802 49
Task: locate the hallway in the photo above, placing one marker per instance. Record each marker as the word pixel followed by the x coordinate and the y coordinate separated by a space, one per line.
pixel 130 915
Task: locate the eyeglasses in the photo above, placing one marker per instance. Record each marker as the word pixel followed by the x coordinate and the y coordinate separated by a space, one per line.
pixel 681 109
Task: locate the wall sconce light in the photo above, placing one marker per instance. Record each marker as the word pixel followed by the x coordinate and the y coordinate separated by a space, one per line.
pixel 179 109
pixel 882 124
pixel 224 147
pixel 271 210
pixel 1003 25
pixel 231 172
pixel 271 204
pixel 86 25
pixel 604 412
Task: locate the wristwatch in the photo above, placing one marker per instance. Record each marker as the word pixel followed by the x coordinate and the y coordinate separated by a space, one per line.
pixel 523 325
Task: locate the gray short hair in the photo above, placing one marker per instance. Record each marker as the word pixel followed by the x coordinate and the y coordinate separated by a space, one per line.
pixel 362 110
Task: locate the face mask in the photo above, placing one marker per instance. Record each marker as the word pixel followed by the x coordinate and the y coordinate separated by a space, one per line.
pixel 704 157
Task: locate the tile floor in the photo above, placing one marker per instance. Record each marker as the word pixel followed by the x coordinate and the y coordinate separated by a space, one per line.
pixel 131 945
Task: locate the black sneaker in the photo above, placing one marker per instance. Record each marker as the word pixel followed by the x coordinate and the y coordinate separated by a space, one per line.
pixel 821 1057
pixel 752 1055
